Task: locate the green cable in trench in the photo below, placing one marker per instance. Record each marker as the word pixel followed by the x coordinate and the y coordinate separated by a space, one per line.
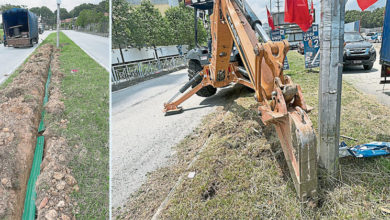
pixel 31 194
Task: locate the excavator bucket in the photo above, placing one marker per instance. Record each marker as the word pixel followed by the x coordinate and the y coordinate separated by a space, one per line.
pixel 298 142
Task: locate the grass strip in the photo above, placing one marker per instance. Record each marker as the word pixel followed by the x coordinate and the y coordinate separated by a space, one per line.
pixel 86 97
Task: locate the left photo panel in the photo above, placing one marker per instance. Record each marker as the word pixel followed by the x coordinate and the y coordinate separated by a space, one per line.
pixel 54 109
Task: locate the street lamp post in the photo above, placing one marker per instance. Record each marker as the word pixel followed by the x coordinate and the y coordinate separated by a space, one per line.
pixel 58 23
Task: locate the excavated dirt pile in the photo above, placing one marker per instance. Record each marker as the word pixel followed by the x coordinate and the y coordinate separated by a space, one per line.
pixel 20 114
pixel 55 182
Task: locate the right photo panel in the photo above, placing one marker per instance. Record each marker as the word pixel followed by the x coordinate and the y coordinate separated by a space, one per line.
pixel 247 109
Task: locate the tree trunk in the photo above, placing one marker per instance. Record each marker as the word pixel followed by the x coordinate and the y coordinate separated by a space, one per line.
pixel 120 50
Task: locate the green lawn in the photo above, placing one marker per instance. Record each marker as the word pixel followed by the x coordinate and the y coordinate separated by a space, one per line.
pixel 86 99
pixel 241 173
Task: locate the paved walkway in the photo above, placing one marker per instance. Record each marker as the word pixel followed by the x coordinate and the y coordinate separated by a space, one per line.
pixel 95 46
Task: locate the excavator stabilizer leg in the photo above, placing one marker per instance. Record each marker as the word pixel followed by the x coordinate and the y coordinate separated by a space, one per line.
pixel 298 141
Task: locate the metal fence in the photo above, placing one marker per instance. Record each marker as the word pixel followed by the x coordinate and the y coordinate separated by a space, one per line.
pixel 101 29
pixel 132 71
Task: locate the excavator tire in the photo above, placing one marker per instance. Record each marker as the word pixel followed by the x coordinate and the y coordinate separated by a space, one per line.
pixel 193 68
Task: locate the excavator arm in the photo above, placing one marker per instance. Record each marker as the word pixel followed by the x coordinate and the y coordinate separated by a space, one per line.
pixel 281 102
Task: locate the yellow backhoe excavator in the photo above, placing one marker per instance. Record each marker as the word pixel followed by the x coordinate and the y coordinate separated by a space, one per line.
pixel 281 102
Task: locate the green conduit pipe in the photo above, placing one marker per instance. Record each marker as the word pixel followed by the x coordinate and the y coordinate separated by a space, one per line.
pixel 31 194
pixel 45 100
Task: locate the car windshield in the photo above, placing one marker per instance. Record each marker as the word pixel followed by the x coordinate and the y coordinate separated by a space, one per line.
pixel 370 34
pixel 352 37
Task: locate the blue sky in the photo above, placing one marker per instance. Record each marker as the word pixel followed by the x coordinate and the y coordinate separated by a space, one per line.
pixel 258 7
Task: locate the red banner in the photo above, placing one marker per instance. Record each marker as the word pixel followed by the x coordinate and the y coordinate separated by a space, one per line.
pixel 364 4
pixel 297 11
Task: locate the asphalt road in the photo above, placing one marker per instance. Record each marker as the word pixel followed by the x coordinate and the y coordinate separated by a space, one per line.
pixel 11 58
pixel 368 81
pixel 142 137
pixel 95 46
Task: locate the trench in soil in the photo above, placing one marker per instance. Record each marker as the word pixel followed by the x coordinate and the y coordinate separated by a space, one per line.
pixel 31 194
pixel 21 106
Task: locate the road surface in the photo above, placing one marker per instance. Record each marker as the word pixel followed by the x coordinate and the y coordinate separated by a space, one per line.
pixel 11 58
pixel 142 137
pixel 368 81
pixel 95 46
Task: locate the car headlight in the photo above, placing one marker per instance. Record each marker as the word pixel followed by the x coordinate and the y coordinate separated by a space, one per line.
pixel 372 49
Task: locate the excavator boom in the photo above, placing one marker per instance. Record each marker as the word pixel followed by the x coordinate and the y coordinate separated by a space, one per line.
pixel 281 102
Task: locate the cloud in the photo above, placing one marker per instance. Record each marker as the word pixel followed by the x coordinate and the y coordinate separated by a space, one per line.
pixel 52 4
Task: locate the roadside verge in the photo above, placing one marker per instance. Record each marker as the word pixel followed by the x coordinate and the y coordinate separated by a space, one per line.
pixel 77 133
pixel 241 173
pixel 73 180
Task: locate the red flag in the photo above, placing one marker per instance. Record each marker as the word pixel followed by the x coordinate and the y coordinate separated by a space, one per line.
pixel 364 4
pixel 270 20
pixel 297 11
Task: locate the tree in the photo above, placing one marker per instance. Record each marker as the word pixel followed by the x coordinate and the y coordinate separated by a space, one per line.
pixel 88 16
pixel 121 17
pixel 47 15
pixel 368 19
pixel 64 14
pixel 150 29
pixel 181 24
pixel 9 6
pixel 75 12
pixel 103 6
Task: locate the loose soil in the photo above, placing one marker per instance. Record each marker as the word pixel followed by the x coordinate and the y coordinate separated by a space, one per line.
pixel 56 183
pixel 20 110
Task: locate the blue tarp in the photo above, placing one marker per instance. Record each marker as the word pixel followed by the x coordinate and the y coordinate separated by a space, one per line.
pixel 20 16
pixel 372 149
pixel 385 49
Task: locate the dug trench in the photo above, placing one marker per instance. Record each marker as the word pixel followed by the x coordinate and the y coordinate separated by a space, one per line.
pixel 21 107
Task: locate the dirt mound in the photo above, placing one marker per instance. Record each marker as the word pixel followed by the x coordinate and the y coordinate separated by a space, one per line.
pixel 20 110
pixel 55 182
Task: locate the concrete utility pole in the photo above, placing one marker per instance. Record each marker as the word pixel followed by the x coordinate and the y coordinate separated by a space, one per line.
pixel 332 40
pixel 58 23
pixel 277 17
